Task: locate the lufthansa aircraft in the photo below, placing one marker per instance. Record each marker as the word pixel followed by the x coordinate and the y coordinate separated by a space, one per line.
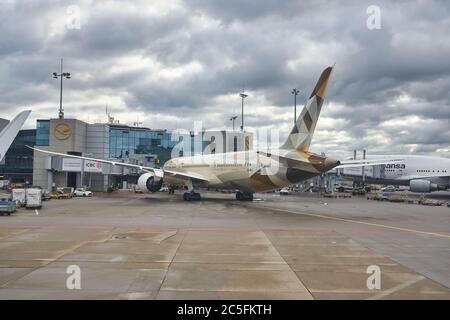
pixel 248 171
pixel 9 133
pixel 421 173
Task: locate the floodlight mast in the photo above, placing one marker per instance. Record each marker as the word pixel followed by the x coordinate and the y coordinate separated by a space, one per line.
pixel 295 92
pixel 243 96
pixel 56 76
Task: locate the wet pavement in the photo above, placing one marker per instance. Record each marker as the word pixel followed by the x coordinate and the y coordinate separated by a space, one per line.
pixel 156 246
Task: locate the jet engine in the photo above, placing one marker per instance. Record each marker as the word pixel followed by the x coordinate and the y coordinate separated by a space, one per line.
pixel 420 185
pixel 150 182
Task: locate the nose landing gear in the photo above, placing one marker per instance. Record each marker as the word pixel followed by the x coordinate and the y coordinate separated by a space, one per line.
pixel 244 196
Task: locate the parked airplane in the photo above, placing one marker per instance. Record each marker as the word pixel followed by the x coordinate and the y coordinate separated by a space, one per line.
pixel 9 133
pixel 420 173
pixel 248 171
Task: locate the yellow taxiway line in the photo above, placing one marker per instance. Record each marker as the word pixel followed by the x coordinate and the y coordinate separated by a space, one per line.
pixel 359 222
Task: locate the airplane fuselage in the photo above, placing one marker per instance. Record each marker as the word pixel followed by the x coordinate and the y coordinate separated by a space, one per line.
pixel 251 171
pixel 434 169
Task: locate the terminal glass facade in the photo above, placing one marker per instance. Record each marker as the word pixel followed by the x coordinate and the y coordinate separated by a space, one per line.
pixel 125 141
pixel 43 132
pixel 18 162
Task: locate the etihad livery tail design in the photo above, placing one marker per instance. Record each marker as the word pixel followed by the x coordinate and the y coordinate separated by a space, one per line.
pixel 302 133
pixel 295 162
pixel 9 133
pixel 248 171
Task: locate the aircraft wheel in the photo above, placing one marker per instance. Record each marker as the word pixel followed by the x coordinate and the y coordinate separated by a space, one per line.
pixel 244 196
pixel 196 196
pixel 192 196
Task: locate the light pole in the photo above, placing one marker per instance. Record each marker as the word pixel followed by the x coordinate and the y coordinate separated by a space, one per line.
pixel 232 119
pixel 243 96
pixel 61 75
pixel 295 92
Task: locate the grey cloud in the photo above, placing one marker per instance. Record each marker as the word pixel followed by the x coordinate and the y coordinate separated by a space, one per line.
pixel 265 47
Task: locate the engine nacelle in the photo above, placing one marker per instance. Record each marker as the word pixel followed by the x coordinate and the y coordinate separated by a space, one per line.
pixel 420 185
pixel 149 182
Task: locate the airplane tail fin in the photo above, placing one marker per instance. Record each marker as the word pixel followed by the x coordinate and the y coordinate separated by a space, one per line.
pixel 8 134
pixel 303 130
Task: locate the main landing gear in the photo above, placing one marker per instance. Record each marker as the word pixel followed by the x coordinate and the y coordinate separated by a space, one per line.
pixel 244 196
pixel 191 196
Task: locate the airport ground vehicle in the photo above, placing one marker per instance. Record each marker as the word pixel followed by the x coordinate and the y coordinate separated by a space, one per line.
pixel 82 192
pixel 46 195
pixel 7 207
pixel 381 196
pixel 388 189
pixel 19 195
pixel 359 191
pixel 343 188
pixel 59 194
pixel 68 190
pixel 285 191
pixel 34 198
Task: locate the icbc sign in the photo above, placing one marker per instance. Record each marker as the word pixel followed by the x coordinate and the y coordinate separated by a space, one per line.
pixel 92 166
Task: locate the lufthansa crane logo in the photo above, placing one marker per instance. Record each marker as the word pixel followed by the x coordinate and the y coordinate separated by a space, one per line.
pixel 62 131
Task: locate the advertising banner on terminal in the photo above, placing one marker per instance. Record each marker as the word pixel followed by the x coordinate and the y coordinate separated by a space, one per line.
pixel 71 164
pixel 74 165
pixel 93 166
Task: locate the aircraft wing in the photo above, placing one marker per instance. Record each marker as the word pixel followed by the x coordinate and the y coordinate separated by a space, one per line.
pixel 366 162
pixel 158 172
pixel 185 175
pixel 9 133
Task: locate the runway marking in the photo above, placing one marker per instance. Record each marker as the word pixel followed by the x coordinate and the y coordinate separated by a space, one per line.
pixel 356 221
pixel 164 229
pixel 397 288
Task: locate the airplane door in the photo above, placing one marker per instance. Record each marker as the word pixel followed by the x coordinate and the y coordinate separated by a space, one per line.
pixel 401 170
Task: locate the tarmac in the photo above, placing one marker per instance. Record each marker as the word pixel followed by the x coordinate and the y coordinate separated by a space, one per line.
pixel 156 246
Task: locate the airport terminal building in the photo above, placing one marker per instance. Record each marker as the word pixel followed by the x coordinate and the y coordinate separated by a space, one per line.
pixel 17 165
pixel 105 141
pixel 113 141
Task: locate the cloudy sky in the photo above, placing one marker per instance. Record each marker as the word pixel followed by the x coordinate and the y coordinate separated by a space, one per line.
pixel 170 63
